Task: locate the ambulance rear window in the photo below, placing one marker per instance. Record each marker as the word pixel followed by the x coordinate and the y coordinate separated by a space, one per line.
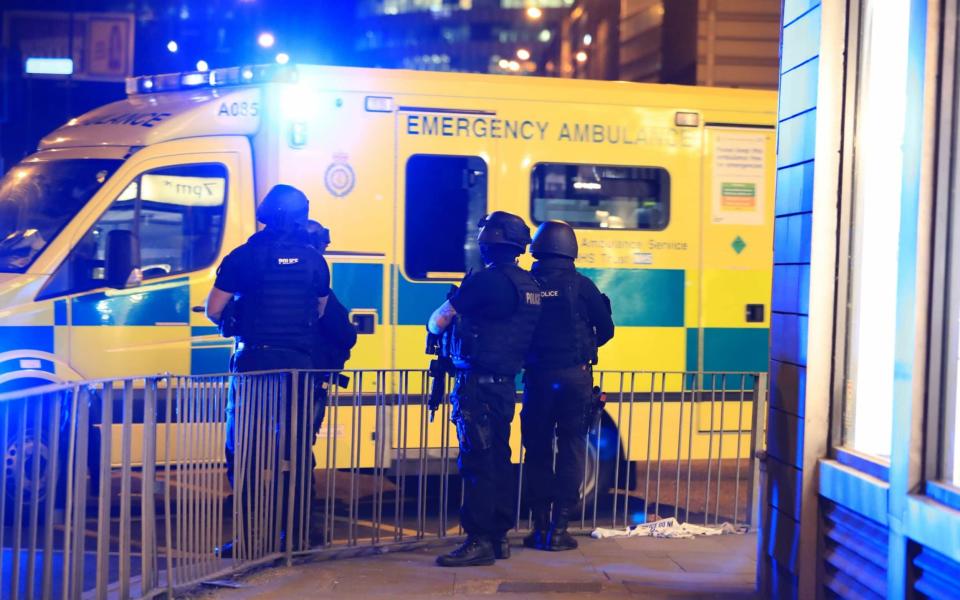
pixel 601 196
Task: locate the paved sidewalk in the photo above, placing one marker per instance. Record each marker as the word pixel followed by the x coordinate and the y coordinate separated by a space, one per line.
pixel 706 567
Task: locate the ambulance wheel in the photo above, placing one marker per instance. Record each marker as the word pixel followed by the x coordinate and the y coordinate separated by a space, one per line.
pixel 603 454
pixel 35 448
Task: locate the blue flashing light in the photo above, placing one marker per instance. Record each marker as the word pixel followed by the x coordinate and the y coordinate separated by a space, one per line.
pixel 167 82
pixel 202 65
pixel 301 101
pixel 266 39
pixel 172 46
pixel 49 66
pixel 228 76
pixel 194 79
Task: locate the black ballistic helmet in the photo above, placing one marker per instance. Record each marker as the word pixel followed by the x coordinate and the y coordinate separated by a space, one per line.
pixel 554 237
pixel 318 235
pixel 505 228
pixel 284 207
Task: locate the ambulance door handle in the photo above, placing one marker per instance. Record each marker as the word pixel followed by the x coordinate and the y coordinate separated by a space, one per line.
pixel 198 309
pixel 755 313
pixel 364 322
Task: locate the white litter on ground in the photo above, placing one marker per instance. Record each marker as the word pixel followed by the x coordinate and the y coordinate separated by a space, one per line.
pixel 664 528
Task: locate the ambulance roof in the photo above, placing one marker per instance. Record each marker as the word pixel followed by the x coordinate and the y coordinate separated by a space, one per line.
pixel 141 120
pixel 538 89
pixel 192 104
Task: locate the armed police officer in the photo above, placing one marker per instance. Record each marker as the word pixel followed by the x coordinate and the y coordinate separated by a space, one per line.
pixel 493 315
pixel 575 319
pixel 336 334
pixel 281 285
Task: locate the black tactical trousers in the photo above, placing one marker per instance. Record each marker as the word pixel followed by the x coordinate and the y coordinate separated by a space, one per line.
pixel 482 411
pixel 555 401
pixel 258 466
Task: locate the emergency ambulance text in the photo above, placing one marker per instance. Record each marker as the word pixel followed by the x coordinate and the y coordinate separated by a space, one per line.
pixel 590 133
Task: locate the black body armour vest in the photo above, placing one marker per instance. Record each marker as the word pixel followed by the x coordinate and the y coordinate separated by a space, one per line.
pixel 281 310
pixel 564 337
pixel 498 346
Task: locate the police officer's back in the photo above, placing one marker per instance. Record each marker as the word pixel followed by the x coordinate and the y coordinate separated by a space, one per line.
pixel 280 283
pixel 575 316
pixel 575 319
pixel 279 286
pixel 494 314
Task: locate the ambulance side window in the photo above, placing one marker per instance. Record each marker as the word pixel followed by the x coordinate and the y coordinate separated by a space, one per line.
pixel 177 213
pixel 446 196
pixel 601 196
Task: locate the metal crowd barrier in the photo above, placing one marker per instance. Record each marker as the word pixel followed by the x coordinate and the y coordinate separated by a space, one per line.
pixel 119 487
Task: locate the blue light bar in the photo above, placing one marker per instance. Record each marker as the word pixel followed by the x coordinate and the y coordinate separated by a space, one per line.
pixel 228 76
pixel 191 79
pixel 49 66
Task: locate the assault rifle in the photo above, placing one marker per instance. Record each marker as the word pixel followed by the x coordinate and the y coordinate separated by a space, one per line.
pixel 440 368
pixel 229 324
pixel 442 365
pixel 596 407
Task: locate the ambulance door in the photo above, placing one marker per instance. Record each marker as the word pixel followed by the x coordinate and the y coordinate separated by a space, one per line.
pixel 175 209
pixel 737 249
pixel 443 187
pixel 342 158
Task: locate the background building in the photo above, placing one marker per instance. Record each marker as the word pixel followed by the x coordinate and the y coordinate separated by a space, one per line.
pixel 166 36
pixel 485 36
pixel 708 42
pixel 499 36
pixel 727 43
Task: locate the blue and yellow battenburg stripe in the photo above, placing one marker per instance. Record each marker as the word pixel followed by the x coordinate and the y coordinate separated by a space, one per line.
pixel 651 300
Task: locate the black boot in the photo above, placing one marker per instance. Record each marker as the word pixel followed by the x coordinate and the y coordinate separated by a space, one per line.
pixel 476 551
pixel 541 523
pixel 501 546
pixel 316 537
pixel 558 538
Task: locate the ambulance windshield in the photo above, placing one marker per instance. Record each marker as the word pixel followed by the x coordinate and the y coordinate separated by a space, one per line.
pixel 38 199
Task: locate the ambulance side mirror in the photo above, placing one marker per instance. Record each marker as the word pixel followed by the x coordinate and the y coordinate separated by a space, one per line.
pixel 122 260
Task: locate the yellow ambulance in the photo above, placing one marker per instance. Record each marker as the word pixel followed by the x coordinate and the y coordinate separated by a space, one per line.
pixel 669 188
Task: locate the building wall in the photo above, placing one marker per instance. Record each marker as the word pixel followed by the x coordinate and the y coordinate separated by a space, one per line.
pixel 838 522
pixel 786 467
pixel 727 43
pixel 737 42
pixel 593 28
pixel 456 36
pixel 641 40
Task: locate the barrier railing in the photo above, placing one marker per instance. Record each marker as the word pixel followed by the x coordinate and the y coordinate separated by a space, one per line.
pixel 121 487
